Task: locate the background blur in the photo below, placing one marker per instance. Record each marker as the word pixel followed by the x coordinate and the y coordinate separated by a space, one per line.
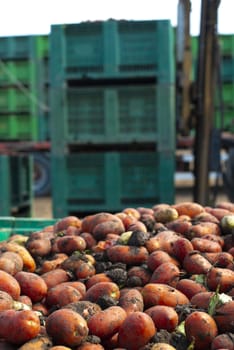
pixel 35 17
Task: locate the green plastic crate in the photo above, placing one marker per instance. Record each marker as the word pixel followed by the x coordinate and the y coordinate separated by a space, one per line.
pixel 226 44
pixel 24 106
pixel 14 100
pixel 42 46
pixel 226 69
pixel 23 77
pixel 121 113
pixel 227 124
pixel 194 45
pixel 113 114
pixel 16 185
pixel 112 48
pixel 84 183
pixel 228 94
pixel 23 226
pixel 17 72
pixel 21 127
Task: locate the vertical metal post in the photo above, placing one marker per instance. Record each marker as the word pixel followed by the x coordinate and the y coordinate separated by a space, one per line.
pixel 206 79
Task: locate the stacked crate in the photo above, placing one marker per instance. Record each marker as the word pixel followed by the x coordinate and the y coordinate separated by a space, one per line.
pixel 21 103
pixel 224 94
pixel 40 57
pixel 23 115
pixel 112 115
pixel 227 77
pixel 16 185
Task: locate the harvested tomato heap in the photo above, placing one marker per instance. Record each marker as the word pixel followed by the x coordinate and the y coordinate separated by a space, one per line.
pixel 144 278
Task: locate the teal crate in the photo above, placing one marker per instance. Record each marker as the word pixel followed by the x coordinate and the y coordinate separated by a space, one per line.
pixel 84 183
pixel 15 47
pixel 113 114
pixel 24 47
pixel 16 185
pixel 42 106
pixel 227 69
pixel 43 72
pixel 43 115
pixel 226 42
pixel 112 48
pixel 127 113
pixel 23 226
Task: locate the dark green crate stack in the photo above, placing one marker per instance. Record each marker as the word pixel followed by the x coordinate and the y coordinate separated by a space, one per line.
pixel 40 55
pixel 226 43
pixel 226 122
pixel 16 185
pixel 23 102
pixel 112 115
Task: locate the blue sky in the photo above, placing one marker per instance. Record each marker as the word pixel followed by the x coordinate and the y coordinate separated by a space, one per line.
pixel 20 17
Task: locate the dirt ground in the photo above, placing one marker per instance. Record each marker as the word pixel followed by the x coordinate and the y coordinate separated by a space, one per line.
pixel 42 206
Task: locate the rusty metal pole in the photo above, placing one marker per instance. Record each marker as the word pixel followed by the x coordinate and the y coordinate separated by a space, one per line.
pixel 206 80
